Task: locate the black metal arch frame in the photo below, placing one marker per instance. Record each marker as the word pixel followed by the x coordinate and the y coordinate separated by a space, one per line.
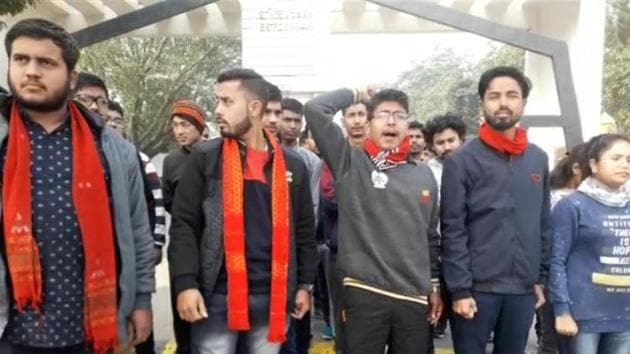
pixel 557 51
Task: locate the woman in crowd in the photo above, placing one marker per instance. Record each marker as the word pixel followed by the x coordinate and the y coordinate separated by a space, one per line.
pixel 564 180
pixel 590 264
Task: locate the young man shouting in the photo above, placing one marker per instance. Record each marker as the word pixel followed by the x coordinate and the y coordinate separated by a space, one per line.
pixel 388 252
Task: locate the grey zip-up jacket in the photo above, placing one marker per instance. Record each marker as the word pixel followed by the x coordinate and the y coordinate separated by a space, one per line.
pixel 136 279
pixel 388 235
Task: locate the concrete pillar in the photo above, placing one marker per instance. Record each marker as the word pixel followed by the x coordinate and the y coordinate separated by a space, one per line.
pixel 582 27
pixel 4 61
pixel 282 41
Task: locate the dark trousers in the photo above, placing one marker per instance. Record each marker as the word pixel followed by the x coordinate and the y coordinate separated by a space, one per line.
pixel 440 326
pixel 509 316
pixel 335 287
pixel 299 336
pixel 181 328
pixel 146 347
pixel 8 348
pixel 548 341
pixel 373 322
pixel 322 294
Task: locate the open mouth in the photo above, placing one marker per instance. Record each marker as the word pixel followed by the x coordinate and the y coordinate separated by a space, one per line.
pixel 390 134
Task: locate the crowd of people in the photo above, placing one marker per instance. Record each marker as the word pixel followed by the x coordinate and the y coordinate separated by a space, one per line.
pixel 395 230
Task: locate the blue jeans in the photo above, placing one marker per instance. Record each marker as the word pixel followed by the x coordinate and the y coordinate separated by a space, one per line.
pixel 508 316
pixel 600 343
pixel 211 336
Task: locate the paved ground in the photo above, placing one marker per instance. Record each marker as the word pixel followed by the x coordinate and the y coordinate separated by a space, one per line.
pixel 164 332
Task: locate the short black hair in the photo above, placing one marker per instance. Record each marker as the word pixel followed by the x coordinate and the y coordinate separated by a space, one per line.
pixel 293 105
pixel 37 28
pixel 85 79
pixel 598 145
pixel 343 110
pixel 305 134
pixel 115 106
pixel 251 81
pixel 442 122
pixel 275 95
pixel 504 71
pixel 414 124
pixel 387 95
pixel 562 173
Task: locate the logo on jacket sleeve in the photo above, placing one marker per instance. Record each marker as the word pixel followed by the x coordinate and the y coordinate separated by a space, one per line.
pixel 425 197
pixel 536 178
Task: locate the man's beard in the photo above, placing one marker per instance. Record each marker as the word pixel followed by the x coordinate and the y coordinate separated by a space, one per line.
pixel 55 103
pixel 238 130
pixel 499 124
pixel 444 155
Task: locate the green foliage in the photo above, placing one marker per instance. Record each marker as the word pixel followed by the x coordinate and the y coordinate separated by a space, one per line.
pixel 616 95
pixel 14 7
pixel 147 74
pixel 447 82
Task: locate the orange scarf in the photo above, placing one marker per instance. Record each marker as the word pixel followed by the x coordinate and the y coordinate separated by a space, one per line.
pixel 91 203
pixel 502 144
pixel 234 235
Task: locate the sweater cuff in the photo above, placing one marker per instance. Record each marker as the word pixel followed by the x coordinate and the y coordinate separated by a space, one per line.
pixel 143 301
pixel 561 309
pixel 461 294
pixel 185 282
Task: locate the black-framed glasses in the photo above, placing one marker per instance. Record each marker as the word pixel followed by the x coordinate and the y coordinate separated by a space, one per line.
pixel 87 100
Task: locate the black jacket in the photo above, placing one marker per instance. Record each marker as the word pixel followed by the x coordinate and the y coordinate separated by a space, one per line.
pixel 196 250
pixel 496 228
pixel 172 171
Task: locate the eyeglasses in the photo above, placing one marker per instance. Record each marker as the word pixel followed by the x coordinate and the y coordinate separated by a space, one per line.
pixel 398 116
pixel 87 100
pixel 618 159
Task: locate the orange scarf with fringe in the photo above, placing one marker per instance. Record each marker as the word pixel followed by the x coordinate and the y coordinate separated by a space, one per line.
pixel 91 203
pixel 234 238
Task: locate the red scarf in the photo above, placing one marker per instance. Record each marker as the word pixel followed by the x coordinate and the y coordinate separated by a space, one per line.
pixel 386 159
pixel 234 234
pixel 91 203
pixel 502 144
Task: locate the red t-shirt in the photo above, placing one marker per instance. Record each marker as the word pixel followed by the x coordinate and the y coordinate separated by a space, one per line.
pixel 255 165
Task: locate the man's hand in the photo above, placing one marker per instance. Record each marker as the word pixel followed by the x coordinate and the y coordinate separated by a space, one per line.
pixel 436 307
pixel 140 326
pixel 364 94
pixel 466 307
pixel 157 255
pixel 302 304
pixel 540 295
pixel 190 306
pixel 566 326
